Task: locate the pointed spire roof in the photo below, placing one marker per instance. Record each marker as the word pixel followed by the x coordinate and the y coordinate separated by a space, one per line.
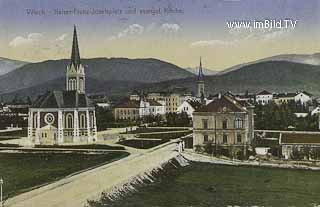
pixel 75 54
pixel 200 75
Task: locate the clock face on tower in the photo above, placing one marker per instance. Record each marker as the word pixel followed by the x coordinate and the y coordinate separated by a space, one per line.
pixel 49 118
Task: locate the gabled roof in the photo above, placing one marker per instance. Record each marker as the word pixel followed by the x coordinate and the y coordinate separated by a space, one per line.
pixel 127 103
pixel 223 104
pixel 194 104
pixel 264 92
pixel 307 93
pixel 62 99
pixel 153 102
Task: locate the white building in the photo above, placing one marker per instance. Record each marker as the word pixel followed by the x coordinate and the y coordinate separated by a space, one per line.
pixel 315 111
pixel 189 106
pixel 264 97
pixel 157 107
pixel 303 97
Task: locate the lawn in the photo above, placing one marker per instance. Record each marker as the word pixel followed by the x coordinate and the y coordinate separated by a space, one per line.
pixel 23 171
pixel 207 185
pixel 86 146
pixel 154 129
pixel 13 134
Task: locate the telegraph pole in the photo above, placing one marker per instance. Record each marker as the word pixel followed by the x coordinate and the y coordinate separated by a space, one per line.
pixel 1 198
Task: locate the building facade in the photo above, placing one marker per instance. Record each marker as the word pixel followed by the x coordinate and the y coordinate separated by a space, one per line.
pixel 189 106
pixel 133 109
pixel 298 141
pixel 264 97
pixel 224 122
pixel 68 116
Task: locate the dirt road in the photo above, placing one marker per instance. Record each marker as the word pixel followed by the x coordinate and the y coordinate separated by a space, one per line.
pixel 76 190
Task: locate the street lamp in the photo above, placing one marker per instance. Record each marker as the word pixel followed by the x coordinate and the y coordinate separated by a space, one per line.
pixel 1 199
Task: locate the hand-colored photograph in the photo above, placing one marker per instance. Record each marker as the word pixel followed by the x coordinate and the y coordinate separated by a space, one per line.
pixel 159 103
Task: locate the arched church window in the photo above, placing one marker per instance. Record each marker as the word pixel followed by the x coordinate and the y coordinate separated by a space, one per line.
pixel 91 121
pixel 82 121
pixel 35 121
pixel 81 84
pixel 69 121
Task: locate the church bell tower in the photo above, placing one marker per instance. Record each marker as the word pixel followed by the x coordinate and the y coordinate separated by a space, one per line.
pixel 200 83
pixel 75 77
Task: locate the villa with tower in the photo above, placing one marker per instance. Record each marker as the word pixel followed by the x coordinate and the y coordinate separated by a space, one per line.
pixel 66 116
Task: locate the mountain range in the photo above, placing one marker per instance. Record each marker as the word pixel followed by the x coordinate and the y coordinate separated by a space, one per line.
pixel 120 76
pixel 100 69
pixel 8 65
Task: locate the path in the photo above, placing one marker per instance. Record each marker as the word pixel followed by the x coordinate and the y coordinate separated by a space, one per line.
pixel 74 191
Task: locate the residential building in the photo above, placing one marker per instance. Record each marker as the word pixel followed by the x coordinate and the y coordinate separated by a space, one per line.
pixel 157 107
pixel 173 101
pixel 135 109
pixel 127 109
pixel 189 106
pixel 224 122
pixel 301 97
pixel 67 116
pixel 297 140
pixel 264 97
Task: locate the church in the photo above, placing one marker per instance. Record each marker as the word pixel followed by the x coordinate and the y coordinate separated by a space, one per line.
pixel 68 116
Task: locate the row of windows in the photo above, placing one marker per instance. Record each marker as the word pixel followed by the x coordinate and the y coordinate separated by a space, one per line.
pixel 69 121
pixel 224 138
pixel 238 123
pixel 73 84
pixel 125 112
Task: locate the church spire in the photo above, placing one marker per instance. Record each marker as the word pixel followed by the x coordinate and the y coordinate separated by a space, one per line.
pixel 200 75
pixel 75 54
pixel 75 76
pixel 200 83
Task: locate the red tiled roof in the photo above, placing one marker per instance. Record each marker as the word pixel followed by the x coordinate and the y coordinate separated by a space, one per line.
pixel 128 104
pixel 223 104
pixel 264 92
pixel 300 138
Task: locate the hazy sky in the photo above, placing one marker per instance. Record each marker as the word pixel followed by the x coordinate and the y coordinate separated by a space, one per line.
pixel 192 28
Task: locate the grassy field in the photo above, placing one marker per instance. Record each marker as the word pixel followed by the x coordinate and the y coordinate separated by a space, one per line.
pixel 22 171
pixel 205 185
pixel 165 135
pixel 13 134
pixel 85 146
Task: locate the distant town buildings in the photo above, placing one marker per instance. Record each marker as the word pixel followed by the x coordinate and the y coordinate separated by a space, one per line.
pixel 298 97
pixel 137 107
pixel 67 116
pixel 265 97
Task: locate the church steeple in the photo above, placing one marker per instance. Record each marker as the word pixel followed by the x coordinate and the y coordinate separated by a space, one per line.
pixel 75 77
pixel 200 82
pixel 200 74
pixel 75 54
